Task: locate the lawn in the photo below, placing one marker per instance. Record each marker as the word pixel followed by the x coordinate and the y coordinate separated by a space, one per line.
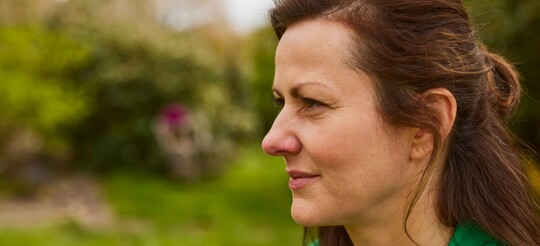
pixel 249 205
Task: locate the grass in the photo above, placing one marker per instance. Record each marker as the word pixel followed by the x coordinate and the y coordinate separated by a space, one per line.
pixel 249 205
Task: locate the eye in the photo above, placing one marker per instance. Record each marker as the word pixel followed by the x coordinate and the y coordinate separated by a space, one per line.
pixel 311 104
pixel 278 101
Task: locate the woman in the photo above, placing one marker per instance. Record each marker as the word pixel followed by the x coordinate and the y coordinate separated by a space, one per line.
pixel 393 126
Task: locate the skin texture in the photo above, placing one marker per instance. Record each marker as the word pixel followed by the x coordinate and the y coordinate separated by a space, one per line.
pixel 329 126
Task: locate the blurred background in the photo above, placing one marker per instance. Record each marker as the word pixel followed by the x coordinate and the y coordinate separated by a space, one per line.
pixel 138 122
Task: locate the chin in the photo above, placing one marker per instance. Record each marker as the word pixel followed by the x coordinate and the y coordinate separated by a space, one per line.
pixel 306 214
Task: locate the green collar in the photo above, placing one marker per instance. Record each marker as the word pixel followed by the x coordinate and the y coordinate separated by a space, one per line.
pixel 464 235
pixel 471 235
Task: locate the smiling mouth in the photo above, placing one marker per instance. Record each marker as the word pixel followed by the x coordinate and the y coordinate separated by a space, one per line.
pixel 300 180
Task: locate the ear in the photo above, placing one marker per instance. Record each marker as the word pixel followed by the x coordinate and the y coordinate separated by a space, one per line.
pixel 422 144
pixel 444 103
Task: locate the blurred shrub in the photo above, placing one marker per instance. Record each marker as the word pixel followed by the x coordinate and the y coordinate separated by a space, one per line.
pixel 39 99
pixel 38 89
pixel 96 77
pixel 139 66
pixel 261 46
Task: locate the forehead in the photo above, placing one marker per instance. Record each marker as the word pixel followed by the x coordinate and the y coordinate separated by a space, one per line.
pixel 315 41
pixel 320 51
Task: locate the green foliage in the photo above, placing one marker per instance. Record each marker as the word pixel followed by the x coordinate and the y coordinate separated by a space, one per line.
pixel 262 47
pixel 36 88
pixel 97 85
pixel 138 67
pixel 132 81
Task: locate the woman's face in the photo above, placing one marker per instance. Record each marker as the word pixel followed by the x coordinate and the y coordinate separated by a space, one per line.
pixel 346 165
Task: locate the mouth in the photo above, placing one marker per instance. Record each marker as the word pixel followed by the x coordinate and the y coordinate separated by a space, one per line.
pixel 300 179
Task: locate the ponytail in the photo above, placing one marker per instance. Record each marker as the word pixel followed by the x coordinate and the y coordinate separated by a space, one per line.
pixel 503 82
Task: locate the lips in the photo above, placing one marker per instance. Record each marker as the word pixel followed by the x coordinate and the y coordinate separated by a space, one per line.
pixel 300 179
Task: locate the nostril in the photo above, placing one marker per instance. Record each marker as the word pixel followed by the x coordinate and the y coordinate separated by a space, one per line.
pixel 272 151
pixel 281 146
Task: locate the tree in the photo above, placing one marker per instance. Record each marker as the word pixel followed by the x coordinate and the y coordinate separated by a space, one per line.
pixel 105 73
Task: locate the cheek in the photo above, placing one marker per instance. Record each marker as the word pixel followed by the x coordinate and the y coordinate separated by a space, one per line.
pixel 362 162
pixel 348 144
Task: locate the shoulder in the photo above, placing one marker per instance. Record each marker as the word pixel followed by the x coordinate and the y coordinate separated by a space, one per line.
pixel 314 243
pixel 472 235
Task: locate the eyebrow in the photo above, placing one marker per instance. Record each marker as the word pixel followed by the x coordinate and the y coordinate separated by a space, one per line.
pixel 295 91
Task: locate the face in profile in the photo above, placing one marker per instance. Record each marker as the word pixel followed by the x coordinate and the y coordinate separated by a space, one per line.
pixel 346 165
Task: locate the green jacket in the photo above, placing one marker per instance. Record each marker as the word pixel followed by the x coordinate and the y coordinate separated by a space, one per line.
pixel 470 235
pixel 464 235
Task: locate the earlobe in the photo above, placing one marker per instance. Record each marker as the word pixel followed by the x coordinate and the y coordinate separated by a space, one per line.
pixel 422 144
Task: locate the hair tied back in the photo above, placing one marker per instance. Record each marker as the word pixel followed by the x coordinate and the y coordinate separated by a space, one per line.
pixel 503 84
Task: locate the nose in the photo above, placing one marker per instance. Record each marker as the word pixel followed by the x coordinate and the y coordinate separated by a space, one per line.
pixel 280 141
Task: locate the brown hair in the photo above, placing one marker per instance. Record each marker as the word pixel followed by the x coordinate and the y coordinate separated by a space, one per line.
pixel 408 47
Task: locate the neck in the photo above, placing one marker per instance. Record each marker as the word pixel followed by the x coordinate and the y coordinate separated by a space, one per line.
pixel 423 227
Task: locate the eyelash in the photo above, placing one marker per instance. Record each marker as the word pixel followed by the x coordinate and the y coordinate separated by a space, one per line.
pixel 309 103
pixel 279 101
